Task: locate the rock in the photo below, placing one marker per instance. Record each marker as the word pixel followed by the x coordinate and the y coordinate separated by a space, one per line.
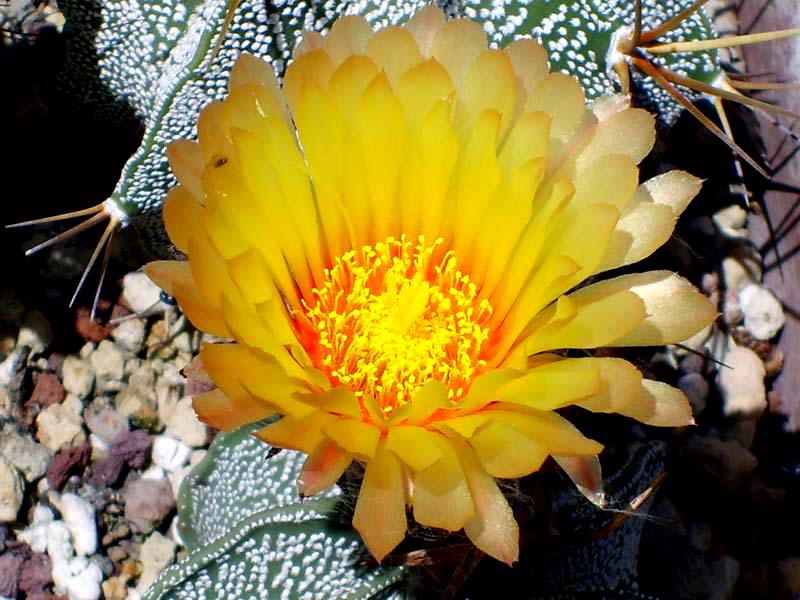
pixel 68 462
pixel 157 552
pixel 696 388
pixel 170 454
pixel 35 577
pixel 10 567
pixel 139 292
pixel 763 313
pixel 35 333
pixel 84 580
pixel 107 472
pixel 138 402
pixel 133 447
pixel 115 588
pixel 79 517
pixel 727 463
pixel 159 342
pixel 129 335
pixel 183 424
pixel 742 266
pixel 90 329
pixel 105 422
pixel 60 426
pixel 789 577
pixel 109 366
pixel 731 221
pixel 47 391
pixel 11 491
pixel 742 431
pixel 25 454
pixel 77 376
pixel 36 534
pixel 147 503
pixel 741 383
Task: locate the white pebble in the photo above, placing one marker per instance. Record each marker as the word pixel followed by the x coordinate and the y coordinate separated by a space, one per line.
pixel 170 454
pixel 140 292
pixel 79 517
pixel 98 444
pixel 77 376
pixel 36 534
pixel 154 472
pixel 84 581
pixel 763 313
pixel 741 383
pixel 696 389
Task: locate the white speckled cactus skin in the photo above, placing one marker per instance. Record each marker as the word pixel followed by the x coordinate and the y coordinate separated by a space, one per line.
pixel 250 537
pixel 156 59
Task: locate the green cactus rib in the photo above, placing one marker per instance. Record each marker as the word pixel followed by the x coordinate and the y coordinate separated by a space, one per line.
pixel 249 536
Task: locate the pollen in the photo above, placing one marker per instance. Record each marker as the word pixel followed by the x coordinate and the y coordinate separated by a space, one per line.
pixel 393 316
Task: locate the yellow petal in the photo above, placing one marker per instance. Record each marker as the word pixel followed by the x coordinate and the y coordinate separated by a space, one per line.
pixel 226 413
pixel 394 50
pixel 422 88
pixel 660 405
pixel 212 134
pixel 561 97
pixel 674 189
pixel 415 446
pixel 500 96
pixel 638 234
pixel 456 45
pixel 175 278
pixel 348 36
pixel 354 436
pixel 380 515
pixel 382 129
pixel 585 473
pixel 621 385
pixel 312 69
pixel 424 25
pixel 181 213
pixel 441 496
pixel 611 179
pixel 493 529
pixel 549 429
pixel 304 434
pixel 506 453
pixel 675 309
pixel 186 161
pixel 322 469
pixel 630 132
pixel 554 385
pixel 620 313
pixel 428 399
pixel 529 60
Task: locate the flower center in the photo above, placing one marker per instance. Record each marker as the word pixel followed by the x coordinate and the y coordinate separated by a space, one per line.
pixel 393 316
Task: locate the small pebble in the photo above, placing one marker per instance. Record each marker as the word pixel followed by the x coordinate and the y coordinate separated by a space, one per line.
pixel 741 383
pixel 47 391
pixel 139 292
pixel 763 313
pixel 36 534
pixel 12 488
pixel 696 388
pixel 130 335
pixel 84 581
pixel 25 454
pixel 35 576
pixel 108 362
pixel 79 517
pixel 35 333
pixel 77 376
pixel 61 425
pixel 10 573
pixel 157 552
pixel 183 424
pixel 147 503
pixel 68 462
pixel 727 463
pixel 105 421
pixel 170 454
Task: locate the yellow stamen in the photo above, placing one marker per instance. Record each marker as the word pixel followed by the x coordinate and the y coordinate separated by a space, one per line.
pixel 392 316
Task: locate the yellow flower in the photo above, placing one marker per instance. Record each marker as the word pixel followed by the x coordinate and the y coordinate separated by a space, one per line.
pixel 393 240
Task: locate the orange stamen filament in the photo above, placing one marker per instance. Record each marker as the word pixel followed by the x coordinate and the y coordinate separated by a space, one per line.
pixel 393 316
